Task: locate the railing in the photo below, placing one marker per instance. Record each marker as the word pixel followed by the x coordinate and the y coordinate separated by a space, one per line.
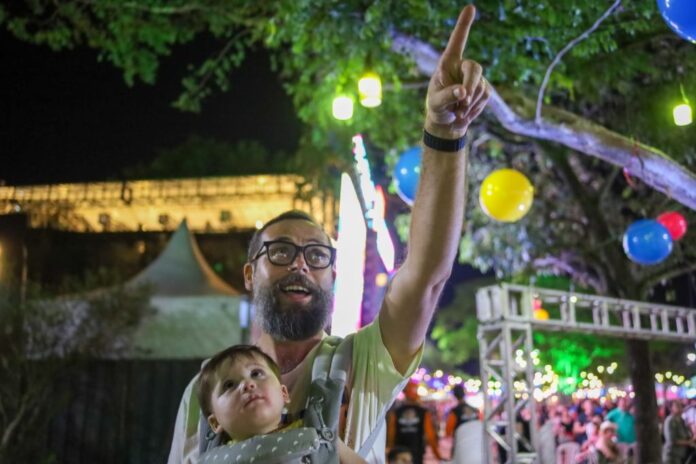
pixel 585 313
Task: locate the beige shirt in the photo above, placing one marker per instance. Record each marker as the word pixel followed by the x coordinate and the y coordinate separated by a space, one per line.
pixel 375 384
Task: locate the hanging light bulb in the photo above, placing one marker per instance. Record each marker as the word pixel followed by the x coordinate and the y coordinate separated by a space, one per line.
pixel 370 90
pixel 342 107
pixel 682 114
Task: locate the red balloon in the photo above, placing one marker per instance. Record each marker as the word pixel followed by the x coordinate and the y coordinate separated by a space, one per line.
pixel 674 222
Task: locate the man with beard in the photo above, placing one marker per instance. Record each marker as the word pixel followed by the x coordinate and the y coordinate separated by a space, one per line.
pixel 291 272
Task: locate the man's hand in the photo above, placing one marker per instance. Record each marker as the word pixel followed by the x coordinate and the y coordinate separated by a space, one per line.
pixel 457 92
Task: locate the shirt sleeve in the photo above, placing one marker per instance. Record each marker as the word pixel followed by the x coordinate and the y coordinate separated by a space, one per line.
pixel 184 449
pixel 375 385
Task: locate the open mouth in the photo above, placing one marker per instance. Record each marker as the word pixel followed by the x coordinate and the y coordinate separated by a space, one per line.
pixel 296 290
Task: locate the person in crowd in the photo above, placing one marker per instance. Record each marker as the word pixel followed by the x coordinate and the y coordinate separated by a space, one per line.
pixel 678 438
pixel 399 455
pixel 564 425
pixel 411 425
pixel 625 422
pixel 592 433
pixel 604 450
pixel 290 273
pixel 689 415
pixel 241 396
pixel 582 428
pixel 462 412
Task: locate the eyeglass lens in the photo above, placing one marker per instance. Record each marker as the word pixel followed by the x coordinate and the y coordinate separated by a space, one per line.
pixel 282 253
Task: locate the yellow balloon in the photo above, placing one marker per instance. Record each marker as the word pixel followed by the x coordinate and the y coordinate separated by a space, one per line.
pixel 506 195
pixel 541 314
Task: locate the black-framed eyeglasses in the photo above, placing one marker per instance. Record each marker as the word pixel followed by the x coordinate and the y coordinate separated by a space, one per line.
pixel 283 253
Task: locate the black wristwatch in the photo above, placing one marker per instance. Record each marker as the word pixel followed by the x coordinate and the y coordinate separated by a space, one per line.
pixel 436 143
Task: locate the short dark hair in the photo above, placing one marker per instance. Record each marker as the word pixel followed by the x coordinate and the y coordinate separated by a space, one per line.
pixel 396 451
pixel 208 378
pixel 293 214
pixel 458 391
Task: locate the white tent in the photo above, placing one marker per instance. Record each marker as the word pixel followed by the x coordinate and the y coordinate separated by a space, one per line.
pixel 197 313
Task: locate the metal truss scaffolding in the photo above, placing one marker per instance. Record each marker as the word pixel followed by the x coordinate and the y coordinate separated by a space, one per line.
pixel 506 323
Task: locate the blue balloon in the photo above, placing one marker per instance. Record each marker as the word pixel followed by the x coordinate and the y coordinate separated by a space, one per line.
pixel 680 15
pixel 407 173
pixel 647 242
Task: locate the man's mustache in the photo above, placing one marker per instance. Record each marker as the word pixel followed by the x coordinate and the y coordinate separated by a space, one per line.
pixel 296 279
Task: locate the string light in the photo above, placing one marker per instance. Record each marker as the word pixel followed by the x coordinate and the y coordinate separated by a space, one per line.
pixel 682 114
pixel 342 107
pixel 370 90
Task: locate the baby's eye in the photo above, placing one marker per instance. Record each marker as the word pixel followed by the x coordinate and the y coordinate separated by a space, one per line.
pixel 256 373
pixel 227 385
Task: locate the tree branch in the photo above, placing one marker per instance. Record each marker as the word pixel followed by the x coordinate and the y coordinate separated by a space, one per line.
pixel 566 49
pixel 649 164
pixel 221 54
pixel 8 434
pixel 651 280
pixel 606 188
pixel 561 264
pixel 163 10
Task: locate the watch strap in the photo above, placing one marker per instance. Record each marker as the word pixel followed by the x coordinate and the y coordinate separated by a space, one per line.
pixel 440 144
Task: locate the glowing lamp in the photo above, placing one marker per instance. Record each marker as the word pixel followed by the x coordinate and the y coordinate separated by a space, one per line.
pixel 541 314
pixel 370 90
pixel 682 114
pixel 342 108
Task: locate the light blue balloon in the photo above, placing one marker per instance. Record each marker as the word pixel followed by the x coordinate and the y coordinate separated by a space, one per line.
pixel 647 242
pixel 680 16
pixel 407 174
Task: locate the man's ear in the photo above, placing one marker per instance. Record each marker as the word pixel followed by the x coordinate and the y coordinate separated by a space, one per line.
pixel 286 395
pixel 248 275
pixel 214 424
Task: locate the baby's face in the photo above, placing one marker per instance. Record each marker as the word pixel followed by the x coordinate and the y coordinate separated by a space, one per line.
pixel 248 398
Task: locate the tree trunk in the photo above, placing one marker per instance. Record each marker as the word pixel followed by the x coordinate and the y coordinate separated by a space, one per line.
pixel 649 445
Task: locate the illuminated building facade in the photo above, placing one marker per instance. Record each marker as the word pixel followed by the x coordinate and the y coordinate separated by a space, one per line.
pixel 51 232
pixel 214 204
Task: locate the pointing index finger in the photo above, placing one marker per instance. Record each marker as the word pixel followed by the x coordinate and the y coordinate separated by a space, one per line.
pixel 457 41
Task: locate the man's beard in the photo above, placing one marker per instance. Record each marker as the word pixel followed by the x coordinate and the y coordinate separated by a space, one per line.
pixel 286 321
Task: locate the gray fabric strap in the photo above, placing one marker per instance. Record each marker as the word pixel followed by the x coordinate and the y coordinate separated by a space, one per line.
pixel 368 444
pixel 326 391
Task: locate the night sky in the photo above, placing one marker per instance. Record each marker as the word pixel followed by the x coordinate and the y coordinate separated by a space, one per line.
pixel 68 118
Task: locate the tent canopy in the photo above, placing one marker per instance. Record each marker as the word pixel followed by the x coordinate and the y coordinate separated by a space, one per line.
pixel 197 312
pixel 181 270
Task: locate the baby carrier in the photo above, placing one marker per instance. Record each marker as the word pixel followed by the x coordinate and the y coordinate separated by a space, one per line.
pixel 315 441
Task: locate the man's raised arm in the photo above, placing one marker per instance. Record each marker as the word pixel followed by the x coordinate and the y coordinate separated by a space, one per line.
pixel 457 94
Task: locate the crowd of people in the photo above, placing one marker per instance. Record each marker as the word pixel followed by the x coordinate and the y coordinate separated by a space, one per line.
pixel 594 432
pixel 585 432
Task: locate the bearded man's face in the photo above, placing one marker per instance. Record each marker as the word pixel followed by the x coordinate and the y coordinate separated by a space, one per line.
pixel 291 302
pixel 288 318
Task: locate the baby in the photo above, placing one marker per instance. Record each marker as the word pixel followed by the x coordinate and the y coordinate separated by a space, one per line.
pixel 241 396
